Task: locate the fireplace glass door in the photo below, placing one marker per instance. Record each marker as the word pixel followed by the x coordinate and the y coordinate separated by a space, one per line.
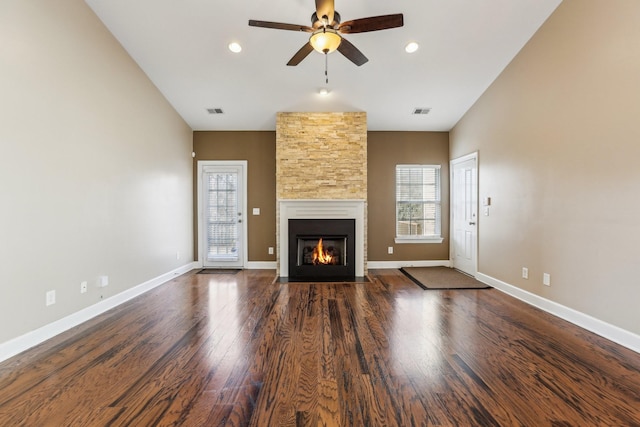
pixel 321 249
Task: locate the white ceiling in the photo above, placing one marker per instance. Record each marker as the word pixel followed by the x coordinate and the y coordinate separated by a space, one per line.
pixel 182 47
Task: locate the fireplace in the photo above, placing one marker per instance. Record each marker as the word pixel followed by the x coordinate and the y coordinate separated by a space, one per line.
pixel 323 209
pixel 322 249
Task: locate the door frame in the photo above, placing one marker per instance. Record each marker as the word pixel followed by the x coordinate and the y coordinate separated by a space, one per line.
pixel 452 163
pixel 202 164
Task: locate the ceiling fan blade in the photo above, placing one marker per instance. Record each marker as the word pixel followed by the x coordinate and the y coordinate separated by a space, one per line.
pixel 325 8
pixel 279 26
pixel 351 52
pixel 300 55
pixel 373 23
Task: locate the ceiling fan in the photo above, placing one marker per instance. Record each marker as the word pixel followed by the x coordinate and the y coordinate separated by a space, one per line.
pixel 326 31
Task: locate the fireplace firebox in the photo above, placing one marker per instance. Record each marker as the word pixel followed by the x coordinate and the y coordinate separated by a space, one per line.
pixel 322 249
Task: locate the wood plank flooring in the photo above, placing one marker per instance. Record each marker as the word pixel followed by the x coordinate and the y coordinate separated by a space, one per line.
pixel 243 350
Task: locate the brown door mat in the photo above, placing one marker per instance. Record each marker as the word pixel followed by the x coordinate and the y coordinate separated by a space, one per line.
pixel 442 278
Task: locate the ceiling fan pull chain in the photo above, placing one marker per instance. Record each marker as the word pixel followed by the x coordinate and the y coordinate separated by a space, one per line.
pixel 326 68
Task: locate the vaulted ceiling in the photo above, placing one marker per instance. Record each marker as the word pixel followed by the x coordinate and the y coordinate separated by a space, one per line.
pixel 183 47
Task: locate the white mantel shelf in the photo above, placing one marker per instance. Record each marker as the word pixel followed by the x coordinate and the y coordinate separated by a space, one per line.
pixel 320 209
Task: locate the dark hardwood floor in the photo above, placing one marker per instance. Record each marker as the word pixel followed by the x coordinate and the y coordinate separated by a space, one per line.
pixel 237 350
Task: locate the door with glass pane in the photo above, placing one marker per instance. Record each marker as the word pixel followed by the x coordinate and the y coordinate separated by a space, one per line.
pixel 222 205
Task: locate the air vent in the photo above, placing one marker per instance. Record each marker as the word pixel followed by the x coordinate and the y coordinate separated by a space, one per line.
pixel 421 111
pixel 215 111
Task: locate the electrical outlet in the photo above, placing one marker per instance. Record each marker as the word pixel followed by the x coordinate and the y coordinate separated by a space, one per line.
pixel 390 250
pixel 525 273
pixel 83 287
pixel 270 250
pixel 546 279
pixel 177 254
pixel 51 297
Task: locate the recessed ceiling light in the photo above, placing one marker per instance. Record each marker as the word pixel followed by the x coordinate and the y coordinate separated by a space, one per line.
pixel 235 47
pixel 411 47
pixel 323 92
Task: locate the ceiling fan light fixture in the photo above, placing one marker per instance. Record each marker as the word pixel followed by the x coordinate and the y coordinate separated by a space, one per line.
pixel 325 40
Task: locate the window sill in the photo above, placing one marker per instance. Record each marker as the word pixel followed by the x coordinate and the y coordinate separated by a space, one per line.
pixel 419 239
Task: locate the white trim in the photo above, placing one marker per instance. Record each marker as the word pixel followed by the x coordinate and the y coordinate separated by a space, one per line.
pixel 418 165
pixel 434 238
pixel 399 264
pixel 249 265
pixel 606 330
pixel 464 158
pixel 320 209
pixel 30 339
pixel 426 240
pixel 262 265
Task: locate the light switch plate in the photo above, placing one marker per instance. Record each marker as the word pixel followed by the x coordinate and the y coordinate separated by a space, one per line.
pixel 256 211
pixel 51 297
pixel 103 281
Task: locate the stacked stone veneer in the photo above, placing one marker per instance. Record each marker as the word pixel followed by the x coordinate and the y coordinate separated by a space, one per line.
pixel 321 156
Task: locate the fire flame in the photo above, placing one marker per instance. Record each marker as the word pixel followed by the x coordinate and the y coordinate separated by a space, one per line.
pixel 320 256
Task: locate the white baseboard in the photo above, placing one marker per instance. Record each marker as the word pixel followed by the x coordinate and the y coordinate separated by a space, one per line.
pixel 261 265
pixel 30 339
pixel 606 330
pixel 399 264
pixel 250 265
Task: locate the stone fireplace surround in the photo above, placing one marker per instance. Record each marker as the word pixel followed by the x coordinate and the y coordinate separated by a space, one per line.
pixel 321 209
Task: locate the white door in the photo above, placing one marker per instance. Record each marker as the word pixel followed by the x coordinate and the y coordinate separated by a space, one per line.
pixel 464 213
pixel 221 207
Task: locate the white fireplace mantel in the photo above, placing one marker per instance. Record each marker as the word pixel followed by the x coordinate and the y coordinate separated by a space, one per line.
pixel 320 209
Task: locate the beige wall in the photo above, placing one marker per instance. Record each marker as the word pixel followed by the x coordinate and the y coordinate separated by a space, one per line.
pixel 386 150
pixel 95 166
pixel 558 135
pixel 259 150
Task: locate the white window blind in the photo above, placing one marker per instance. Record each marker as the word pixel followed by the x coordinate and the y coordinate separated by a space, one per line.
pixel 418 207
pixel 222 211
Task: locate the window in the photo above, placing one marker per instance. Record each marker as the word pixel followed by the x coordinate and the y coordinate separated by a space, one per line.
pixel 418 212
